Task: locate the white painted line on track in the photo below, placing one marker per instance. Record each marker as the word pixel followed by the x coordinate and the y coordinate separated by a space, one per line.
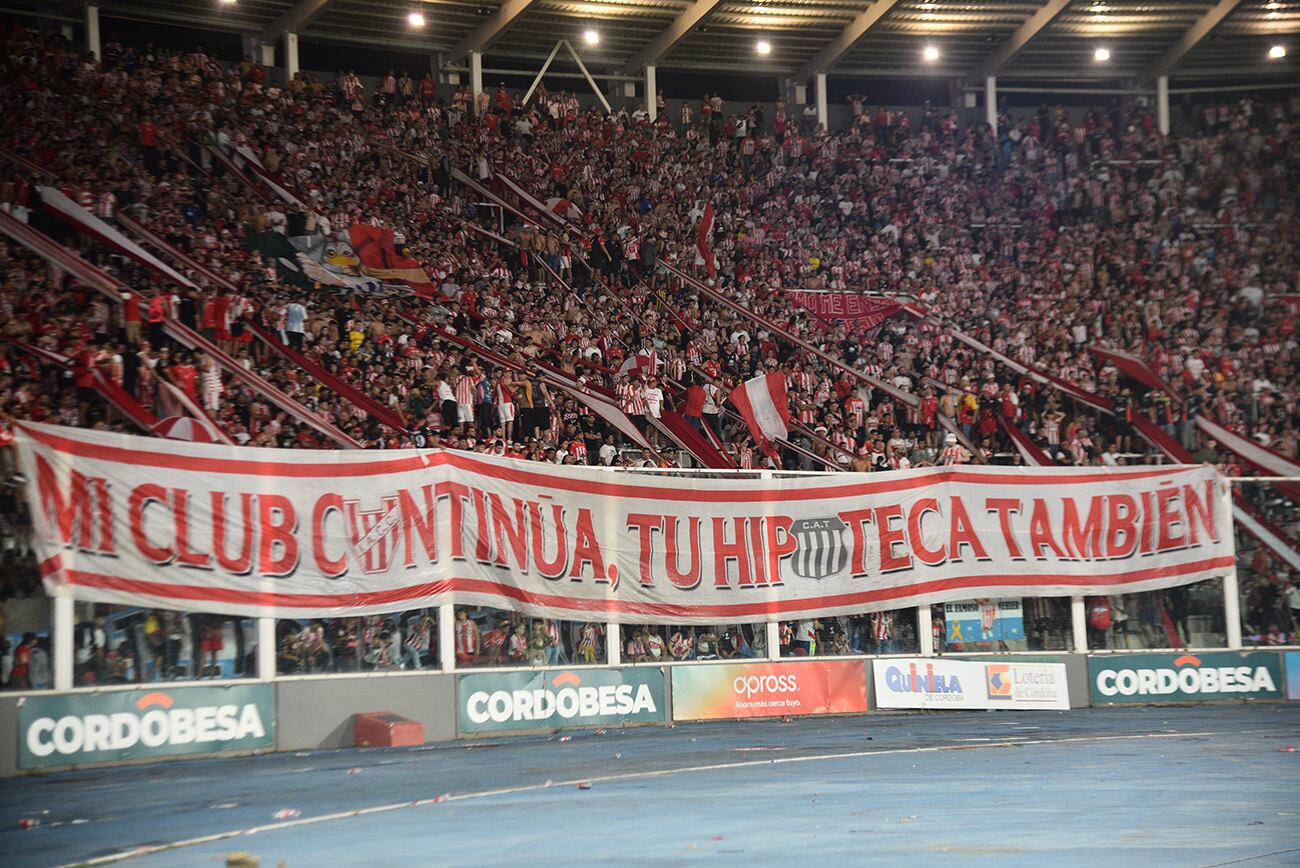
pixel 137 852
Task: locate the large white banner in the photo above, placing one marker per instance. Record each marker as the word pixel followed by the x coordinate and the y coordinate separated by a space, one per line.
pixel 124 519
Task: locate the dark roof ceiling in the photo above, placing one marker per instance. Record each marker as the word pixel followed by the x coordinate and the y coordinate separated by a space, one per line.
pixel 1142 35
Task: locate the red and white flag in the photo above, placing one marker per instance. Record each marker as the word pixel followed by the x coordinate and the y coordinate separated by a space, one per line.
pixel 564 208
pixel 763 404
pixel 702 240
pixel 640 365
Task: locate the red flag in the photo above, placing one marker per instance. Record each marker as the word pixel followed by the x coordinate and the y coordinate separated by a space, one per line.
pixel 702 241
pixel 763 404
pixel 379 258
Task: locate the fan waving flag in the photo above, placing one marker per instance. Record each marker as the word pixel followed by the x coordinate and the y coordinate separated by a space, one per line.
pixel 763 404
pixel 640 365
pixel 702 242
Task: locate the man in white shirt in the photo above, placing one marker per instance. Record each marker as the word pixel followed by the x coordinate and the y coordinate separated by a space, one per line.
pixel 295 322
pixel 654 398
pixel 608 451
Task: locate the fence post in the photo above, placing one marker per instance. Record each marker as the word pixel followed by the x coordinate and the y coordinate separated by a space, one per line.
pixel 925 630
pixel 265 649
pixel 447 637
pixel 61 646
pixel 1231 586
pixel 613 645
pixel 1079 624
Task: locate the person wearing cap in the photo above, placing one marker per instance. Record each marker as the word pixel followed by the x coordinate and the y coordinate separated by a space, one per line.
pixel 952 452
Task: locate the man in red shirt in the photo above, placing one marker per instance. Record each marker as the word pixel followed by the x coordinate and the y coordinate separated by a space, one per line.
pixel 20 675
pixel 148 133
pixel 157 315
pixel 693 410
pixel 84 376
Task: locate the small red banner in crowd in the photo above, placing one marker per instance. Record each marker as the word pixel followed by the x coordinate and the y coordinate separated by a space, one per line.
pixel 855 311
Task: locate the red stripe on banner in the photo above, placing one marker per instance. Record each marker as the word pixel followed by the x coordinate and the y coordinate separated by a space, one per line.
pixel 464 461
pixel 170 591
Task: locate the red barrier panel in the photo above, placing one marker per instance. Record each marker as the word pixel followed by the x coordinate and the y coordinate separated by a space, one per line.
pixel 385 729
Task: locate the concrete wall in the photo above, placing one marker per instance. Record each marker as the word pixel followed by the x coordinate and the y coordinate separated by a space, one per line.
pixel 1076 678
pixel 314 713
pixel 8 733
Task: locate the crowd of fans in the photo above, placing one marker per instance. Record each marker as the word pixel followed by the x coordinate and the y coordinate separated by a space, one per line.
pixel 1061 230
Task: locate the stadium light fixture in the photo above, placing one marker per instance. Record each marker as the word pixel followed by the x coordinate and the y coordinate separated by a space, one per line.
pixel 227 2
pixel 1101 55
pixel 591 36
pixel 415 19
pixel 763 47
pixel 1277 52
pixel 930 53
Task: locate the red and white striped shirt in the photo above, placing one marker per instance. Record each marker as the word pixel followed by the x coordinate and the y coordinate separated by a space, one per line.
pixel 630 399
pixel 466 637
pixel 578 450
pixel 952 455
pixel 465 389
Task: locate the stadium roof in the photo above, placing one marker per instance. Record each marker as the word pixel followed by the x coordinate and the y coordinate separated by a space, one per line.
pixel 1042 40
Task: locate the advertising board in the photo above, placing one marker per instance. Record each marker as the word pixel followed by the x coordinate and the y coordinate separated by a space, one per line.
pixel 81 728
pixel 1207 677
pixel 556 698
pixel 768 689
pixel 1293 675
pixel 942 683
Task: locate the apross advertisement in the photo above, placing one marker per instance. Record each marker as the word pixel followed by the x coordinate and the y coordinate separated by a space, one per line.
pixel 82 728
pixel 1206 677
pixel 768 689
pixel 940 683
pixel 557 698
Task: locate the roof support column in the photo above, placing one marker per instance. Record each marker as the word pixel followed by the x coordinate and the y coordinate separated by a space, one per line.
pixel 991 102
pixel 290 56
pixel 475 77
pixel 651 93
pixel 92 30
pixel 822 113
pixel 1162 104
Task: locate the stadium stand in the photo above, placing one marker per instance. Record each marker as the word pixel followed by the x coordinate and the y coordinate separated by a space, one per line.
pixel 194 250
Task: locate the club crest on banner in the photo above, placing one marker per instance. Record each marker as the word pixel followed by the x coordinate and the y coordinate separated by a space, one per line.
pixel 375 534
pixel 821 551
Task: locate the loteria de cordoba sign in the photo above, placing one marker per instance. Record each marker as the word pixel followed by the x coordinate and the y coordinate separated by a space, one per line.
pixel 271 532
